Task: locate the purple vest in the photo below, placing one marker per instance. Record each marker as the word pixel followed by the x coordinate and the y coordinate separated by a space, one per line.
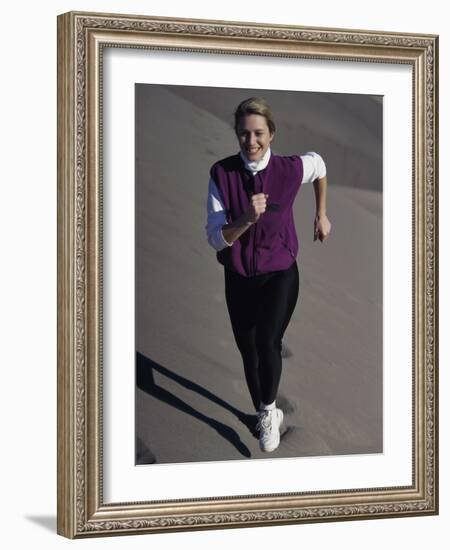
pixel 271 243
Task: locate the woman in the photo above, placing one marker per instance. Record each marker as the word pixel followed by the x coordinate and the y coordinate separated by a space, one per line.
pixel 251 226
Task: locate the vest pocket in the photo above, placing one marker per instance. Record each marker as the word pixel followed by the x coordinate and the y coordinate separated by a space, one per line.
pixel 285 245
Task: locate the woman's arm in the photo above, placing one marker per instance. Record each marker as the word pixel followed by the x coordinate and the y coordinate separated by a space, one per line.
pixel 322 225
pixel 216 218
pixel 232 231
pixel 221 234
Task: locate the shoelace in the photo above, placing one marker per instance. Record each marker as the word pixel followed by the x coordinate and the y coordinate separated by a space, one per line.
pixel 265 421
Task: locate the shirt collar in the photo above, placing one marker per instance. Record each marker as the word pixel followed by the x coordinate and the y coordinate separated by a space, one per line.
pixel 256 165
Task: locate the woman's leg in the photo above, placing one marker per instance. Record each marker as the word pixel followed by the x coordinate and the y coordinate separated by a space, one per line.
pixel 278 297
pixel 243 308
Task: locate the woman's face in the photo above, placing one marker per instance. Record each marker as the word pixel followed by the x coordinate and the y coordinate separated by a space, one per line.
pixel 254 136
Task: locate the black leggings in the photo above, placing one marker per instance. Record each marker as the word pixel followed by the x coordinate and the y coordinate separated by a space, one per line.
pixel 260 309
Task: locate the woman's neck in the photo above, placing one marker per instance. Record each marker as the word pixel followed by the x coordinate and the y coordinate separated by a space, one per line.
pixel 256 165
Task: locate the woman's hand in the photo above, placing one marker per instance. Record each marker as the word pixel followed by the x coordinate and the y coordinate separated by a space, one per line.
pixel 257 207
pixel 322 227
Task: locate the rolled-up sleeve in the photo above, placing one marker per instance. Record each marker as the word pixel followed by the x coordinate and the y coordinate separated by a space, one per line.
pixel 313 167
pixel 216 218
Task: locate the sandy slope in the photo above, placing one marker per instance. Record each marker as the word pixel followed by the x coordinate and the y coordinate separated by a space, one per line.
pixel 191 398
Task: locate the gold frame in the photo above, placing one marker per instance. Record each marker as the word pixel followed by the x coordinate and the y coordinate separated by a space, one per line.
pixel 81 37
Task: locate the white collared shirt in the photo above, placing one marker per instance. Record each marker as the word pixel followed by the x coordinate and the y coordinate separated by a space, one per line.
pixel 313 168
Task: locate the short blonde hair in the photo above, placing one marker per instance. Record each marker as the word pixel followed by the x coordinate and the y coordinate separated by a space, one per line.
pixel 254 106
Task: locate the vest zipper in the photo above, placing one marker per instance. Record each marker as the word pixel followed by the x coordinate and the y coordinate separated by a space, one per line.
pixel 254 249
pixel 255 225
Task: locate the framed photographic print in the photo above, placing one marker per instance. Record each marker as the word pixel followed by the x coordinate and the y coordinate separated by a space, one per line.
pixel 247 274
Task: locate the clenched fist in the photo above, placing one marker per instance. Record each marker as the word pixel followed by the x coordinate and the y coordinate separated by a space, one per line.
pixel 257 207
pixel 322 227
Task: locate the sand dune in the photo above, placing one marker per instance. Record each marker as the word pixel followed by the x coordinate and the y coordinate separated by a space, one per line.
pixel 347 126
pixel 191 399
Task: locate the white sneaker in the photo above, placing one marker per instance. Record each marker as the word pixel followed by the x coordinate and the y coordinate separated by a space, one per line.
pixel 269 423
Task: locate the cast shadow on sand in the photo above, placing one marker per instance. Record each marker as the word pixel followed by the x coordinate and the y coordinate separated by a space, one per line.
pixel 145 381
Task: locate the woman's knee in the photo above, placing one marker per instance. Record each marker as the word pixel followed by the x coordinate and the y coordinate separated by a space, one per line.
pixel 268 345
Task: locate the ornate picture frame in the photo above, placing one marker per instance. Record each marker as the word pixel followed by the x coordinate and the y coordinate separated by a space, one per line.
pixel 82 41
